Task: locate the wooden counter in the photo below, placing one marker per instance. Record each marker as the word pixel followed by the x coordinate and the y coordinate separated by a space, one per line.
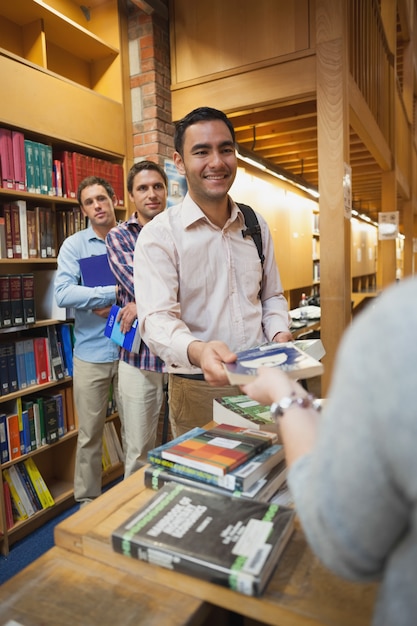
pixel 63 588
pixel 301 592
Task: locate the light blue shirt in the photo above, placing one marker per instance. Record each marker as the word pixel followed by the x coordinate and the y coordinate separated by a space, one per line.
pixel 91 344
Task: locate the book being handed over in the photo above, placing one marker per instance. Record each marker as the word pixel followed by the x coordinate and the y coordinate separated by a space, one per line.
pixel 287 356
pixel 228 541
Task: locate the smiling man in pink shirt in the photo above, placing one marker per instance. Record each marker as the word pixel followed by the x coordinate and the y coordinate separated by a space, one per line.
pixel 207 294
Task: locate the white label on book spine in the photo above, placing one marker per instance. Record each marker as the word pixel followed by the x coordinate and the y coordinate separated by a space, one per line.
pixel 253 537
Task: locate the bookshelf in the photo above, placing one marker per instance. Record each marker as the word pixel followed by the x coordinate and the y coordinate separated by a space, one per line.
pixel 68 59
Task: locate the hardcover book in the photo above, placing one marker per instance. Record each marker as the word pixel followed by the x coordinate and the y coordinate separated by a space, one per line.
pixel 238 479
pixel 5 302
pixel 243 411
pixel 4 443
pixel 287 356
pixel 28 297
pixel 131 340
pixel 263 489
pixel 16 299
pixel 231 542
pixel 96 272
pixel 218 450
pixel 39 484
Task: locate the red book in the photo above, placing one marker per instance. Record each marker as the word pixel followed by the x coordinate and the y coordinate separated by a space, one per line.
pixel 28 297
pixel 19 160
pixel 13 436
pixel 67 174
pixel 41 350
pixel 6 158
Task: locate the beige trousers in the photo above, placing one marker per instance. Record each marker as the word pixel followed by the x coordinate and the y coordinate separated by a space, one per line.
pixel 191 402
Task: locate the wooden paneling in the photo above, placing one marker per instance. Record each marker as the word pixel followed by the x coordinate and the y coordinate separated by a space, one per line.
pixel 209 38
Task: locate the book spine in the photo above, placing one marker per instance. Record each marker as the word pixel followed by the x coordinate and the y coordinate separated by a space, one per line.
pixel 23 226
pixel 30 166
pixel 39 484
pixel 20 363
pixel 13 436
pixel 5 302
pixel 30 489
pixel 4 443
pixel 41 360
pixel 16 299
pixel 28 297
pixel 55 354
pixel 30 362
pixel 60 405
pixel 155 478
pixel 33 250
pixel 7 210
pixel 51 419
pixel 4 374
pixel 19 160
pixel 22 490
pixel 12 367
pixel 26 432
pixel 19 506
pixel 6 158
pixel 16 232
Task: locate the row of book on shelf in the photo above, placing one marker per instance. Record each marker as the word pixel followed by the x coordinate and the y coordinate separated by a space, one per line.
pixel 222 511
pixel 35 421
pixel 36 167
pixel 43 357
pixel 17 300
pixel 36 232
pixel 25 490
pixel 40 419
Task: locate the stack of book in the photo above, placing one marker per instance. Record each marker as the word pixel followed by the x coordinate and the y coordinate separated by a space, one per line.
pixel 228 460
pixel 210 517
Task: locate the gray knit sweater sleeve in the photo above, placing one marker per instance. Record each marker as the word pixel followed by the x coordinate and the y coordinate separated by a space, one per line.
pixel 356 493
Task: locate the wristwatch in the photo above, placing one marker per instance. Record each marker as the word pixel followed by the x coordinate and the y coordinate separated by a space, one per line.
pixel 309 401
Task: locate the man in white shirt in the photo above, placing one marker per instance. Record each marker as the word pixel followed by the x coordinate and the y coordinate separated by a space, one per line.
pixel 207 294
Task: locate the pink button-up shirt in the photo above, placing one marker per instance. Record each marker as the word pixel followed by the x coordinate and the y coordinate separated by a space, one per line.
pixel 201 282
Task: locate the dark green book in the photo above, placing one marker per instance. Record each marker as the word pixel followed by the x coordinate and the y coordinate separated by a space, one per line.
pixel 231 542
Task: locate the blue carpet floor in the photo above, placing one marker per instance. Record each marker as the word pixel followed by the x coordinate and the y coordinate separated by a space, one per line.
pixel 23 552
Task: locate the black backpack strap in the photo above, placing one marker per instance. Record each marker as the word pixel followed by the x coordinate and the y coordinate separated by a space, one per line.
pixel 252 228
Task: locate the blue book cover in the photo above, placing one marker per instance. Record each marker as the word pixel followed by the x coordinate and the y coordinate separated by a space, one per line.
pixel 296 363
pixel 131 340
pixel 65 339
pixel 21 365
pixel 4 443
pixel 26 432
pixel 96 272
pixel 30 363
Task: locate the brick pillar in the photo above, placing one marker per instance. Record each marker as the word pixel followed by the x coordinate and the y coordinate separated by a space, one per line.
pixel 149 60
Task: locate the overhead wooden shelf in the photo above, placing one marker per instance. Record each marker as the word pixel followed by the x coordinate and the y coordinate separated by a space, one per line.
pixel 59 29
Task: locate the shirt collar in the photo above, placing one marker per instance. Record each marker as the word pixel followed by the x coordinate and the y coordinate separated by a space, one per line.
pixel 191 212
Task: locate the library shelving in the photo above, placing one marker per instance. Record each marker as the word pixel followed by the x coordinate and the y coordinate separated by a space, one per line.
pixel 69 84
